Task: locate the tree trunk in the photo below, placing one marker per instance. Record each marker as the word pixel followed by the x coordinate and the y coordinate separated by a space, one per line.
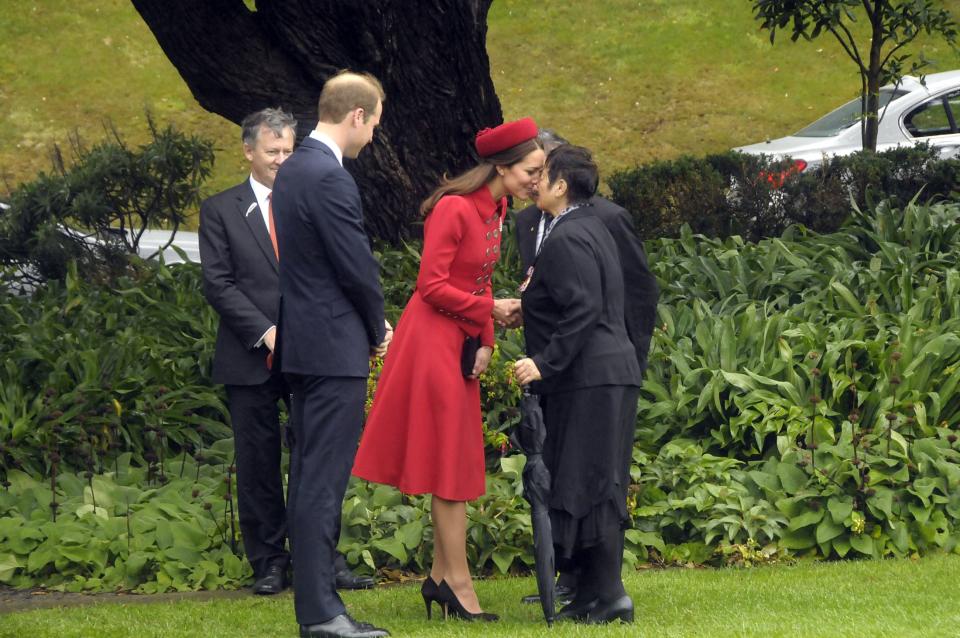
pixel 430 56
pixel 872 113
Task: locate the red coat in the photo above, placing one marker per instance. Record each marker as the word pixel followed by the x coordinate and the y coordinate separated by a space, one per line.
pixel 424 433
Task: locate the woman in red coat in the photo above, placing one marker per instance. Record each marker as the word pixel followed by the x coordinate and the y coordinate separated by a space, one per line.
pixel 424 432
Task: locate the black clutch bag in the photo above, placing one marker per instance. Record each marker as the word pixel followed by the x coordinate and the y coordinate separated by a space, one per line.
pixel 469 355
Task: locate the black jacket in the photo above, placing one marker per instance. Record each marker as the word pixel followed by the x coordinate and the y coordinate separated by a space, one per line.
pixel 573 309
pixel 640 286
pixel 331 306
pixel 240 280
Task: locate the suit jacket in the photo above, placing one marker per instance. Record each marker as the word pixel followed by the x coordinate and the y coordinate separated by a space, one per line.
pixel 240 280
pixel 330 298
pixel 640 286
pixel 573 315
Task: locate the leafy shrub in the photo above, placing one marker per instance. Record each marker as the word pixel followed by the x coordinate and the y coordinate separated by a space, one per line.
pixel 802 398
pixel 758 196
pixel 821 371
pixel 93 213
pixel 91 371
pixel 119 531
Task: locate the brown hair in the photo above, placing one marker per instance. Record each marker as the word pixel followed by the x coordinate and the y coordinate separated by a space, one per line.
pixel 471 180
pixel 347 91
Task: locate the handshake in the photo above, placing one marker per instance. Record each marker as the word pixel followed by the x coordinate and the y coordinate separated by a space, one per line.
pixel 507 313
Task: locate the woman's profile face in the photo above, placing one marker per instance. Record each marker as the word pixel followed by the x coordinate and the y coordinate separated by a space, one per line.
pixel 519 179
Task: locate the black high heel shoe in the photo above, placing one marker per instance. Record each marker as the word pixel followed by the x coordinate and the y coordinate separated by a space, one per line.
pixel 431 593
pixel 452 606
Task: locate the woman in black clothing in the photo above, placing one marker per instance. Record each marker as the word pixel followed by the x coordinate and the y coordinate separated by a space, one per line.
pixel 583 366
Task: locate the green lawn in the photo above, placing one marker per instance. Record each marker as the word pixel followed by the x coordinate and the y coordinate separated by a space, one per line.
pixel 633 80
pixel 865 599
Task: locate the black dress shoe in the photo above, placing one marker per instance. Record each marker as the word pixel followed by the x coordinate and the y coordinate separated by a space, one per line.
pixel 342 626
pixel 346 579
pixel 273 582
pixel 561 593
pixel 577 610
pixel 616 609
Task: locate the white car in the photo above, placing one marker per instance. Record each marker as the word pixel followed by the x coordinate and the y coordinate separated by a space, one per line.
pixel 187 241
pixel 910 113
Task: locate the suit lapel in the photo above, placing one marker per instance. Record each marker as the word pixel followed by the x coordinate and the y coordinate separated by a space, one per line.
pixel 253 217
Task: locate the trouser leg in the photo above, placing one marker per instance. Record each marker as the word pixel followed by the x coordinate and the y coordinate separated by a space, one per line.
pixel 328 412
pixel 260 500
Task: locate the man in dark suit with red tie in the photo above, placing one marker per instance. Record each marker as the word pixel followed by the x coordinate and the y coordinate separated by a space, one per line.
pixel 241 282
pixel 331 323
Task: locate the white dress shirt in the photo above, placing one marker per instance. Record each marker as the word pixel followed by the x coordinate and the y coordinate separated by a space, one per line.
pixel 262 193
pixel 326 139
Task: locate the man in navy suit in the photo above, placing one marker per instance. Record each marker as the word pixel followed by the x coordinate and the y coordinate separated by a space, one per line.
pixel 331 323
pixel 241 282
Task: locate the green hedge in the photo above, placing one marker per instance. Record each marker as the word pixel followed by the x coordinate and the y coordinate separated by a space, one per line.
pixel 757 196
pixel 802 398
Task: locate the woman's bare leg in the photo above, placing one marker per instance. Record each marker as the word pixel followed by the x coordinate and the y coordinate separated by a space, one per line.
pixel 439 568
pixel 450 526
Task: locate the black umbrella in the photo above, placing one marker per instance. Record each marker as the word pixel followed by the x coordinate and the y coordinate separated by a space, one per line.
pixel 530 434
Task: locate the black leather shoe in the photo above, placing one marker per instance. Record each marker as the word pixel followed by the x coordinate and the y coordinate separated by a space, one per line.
pixel 342 626
pixel 617 609
pixel 346 579
pixel 562 594
pixel 273 582
pixel 577 610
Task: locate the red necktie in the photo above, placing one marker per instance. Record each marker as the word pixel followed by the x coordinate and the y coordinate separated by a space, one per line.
pixel 276 251
pixel 272 228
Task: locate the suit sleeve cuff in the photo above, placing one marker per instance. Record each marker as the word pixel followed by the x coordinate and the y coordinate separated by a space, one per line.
pixel 263 337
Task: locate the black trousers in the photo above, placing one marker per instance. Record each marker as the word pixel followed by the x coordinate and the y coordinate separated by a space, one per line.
pixel 327 414
pixel 254 414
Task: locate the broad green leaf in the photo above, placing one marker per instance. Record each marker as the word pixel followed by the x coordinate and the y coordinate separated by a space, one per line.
pixel 503 558
pixel 840 507
pixel 513 464
pixel 8 565
pixel 411 534
pixel 393 546
pixel 862 543
pixel 810 517
pixel 767 481
pixel 799 539
pixel 828 530
pixel 792 478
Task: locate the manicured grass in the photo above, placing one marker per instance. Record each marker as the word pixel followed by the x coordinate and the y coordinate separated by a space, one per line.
pixel 633 80
pixel 856 599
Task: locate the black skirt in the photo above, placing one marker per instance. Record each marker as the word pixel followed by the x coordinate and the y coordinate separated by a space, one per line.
pixel 588 451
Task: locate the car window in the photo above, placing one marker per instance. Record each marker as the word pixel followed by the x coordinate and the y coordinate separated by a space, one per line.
pixel 932 117
pixel 841 119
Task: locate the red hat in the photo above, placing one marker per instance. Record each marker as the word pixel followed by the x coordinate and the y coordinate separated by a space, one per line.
pixel 491 141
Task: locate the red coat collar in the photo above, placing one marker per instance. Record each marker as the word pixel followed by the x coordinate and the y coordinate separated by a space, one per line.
pixel 486 206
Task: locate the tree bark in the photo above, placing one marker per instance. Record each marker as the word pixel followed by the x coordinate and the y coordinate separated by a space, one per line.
pixel 430 56
pixel 874 69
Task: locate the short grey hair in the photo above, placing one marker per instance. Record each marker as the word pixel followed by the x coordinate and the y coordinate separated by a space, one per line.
pixel 550 139
pixel 274 119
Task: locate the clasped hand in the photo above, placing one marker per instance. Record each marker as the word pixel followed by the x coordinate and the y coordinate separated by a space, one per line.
pixel 381 350
pixel 507 313
pixel 526 371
